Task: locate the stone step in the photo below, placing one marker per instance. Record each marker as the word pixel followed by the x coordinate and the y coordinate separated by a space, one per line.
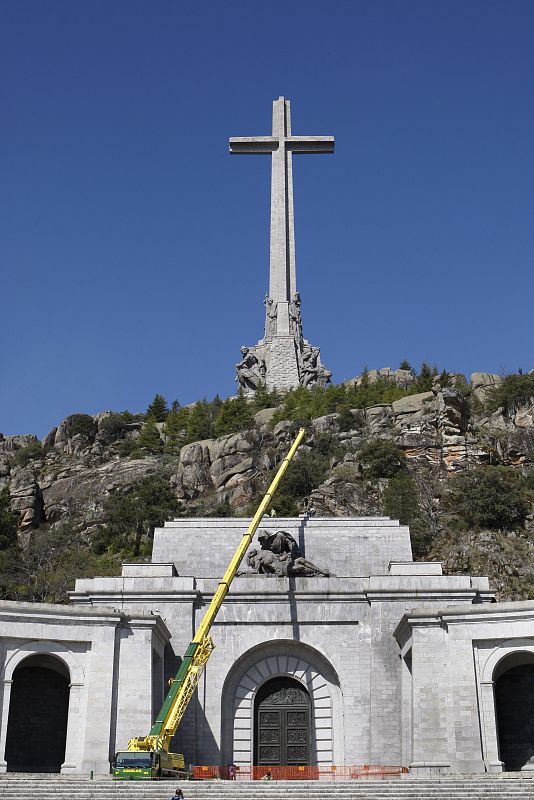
pixel 368 794
pixel 15 786
pixel 364 792
pixel 252 787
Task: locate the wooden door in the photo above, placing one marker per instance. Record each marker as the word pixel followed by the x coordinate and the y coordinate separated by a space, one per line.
pixel 282 724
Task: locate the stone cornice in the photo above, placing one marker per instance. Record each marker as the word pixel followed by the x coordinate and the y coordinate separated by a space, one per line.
pixel 464 615
pixel 48 613
pixel 94 599
pixel 56 614
pixel 144 621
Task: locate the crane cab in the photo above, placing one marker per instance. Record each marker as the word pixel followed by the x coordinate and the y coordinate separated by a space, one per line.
pixel 131 765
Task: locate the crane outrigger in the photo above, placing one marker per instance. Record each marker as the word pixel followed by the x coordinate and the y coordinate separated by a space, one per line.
pixel 148 756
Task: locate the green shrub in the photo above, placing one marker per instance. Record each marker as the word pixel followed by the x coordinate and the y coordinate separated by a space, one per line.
pixel 126 446
pixel 347 420
pixel 490 497
pixel 425 379
pixel 47 567
pixel 26 454
pixel 511 392
pixel 445 379
pixel 381 459
pixel 136 453
pixel 175 430
pixel 149 438
pixel 263 398
pixel 113 426
pixel 307 404
pixel 235 414
pixel 302 477
pixel 405 365
pixel 304 474
pixel 200 422
pixel 81 424
pixel 8 522
pixel 222 509
pixel 133 517
pixel 401 499
pixel 284 506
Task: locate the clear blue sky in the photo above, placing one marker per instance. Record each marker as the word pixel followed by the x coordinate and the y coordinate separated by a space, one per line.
pixel 134 248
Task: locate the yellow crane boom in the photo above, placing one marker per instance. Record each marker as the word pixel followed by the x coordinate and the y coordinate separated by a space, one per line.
pixel 200 648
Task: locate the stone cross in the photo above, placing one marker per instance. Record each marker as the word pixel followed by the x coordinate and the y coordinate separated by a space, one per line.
pixel 281 146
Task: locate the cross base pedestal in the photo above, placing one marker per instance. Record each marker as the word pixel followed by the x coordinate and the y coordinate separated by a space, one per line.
pixel 279 362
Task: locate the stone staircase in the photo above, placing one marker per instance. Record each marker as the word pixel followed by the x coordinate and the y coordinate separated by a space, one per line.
pixel 511 786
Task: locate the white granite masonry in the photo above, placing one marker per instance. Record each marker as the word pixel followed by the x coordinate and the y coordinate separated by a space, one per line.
pixel 107 656
pixel 398 660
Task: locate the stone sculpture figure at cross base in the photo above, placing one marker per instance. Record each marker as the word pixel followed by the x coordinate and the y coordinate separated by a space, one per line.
pixel 312 371
pixel 280 556
pixel 289 360
pixel 270 316
pixel 250 370
pixel 295 320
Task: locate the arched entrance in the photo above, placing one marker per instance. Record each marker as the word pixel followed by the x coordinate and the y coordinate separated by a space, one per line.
pixel 38 712
pixel 282 723
pixel 282 658
pixel 514 707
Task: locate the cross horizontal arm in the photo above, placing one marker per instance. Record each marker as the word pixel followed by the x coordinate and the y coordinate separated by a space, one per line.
pixel 253 144
pixel 310 144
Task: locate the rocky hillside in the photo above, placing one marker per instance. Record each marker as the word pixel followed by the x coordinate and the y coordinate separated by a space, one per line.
pixel 453 461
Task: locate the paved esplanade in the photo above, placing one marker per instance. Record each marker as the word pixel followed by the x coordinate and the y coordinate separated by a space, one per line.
pixel 281 145
pixel 290 360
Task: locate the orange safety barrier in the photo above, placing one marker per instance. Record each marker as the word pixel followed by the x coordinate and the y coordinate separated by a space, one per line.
pixel 209 773
pixel 302 773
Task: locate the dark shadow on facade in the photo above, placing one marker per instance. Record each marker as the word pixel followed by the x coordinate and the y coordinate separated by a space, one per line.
pixel 194 737
pixel 514 709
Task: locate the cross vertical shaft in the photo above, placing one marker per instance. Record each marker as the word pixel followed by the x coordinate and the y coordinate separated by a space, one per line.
pixel 281 146
pixel 282 278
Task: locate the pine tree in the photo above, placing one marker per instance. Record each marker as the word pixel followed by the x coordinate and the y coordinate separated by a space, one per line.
pixel 199 424
pixel 405 364
pixel 175 429
pixel 149 437
pixel 133 517
pixel 263 398
pixel 445 379
pixel 8 522
pixel 158 408
pixel 235 414
pixel 425 378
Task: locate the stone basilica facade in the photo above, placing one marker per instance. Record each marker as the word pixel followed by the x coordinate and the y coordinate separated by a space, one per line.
pixel 386 661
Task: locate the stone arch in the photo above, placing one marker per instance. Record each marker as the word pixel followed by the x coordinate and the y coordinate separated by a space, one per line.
pixel 72 667
pixel 264 662
pixel 38 714
pixel 45 647
pixel 507 652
